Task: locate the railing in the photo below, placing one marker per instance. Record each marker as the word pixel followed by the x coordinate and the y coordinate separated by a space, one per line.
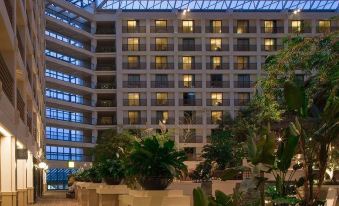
pixel 193 29
pixel 134 84
pixel 68 156
pixel 68 59
pixel 106 103
pixel 106 66
pixel 163 29
pixel 107 120
pixel 68 97
pixel 302 29
pixel 241 102
pixel 190 120
pixel 163 102
pixel 223 47
pixel 190 66
pixel 134 65
pixel 190 139
pixel 162 47
pixel 105 48
pixel 20 104
pixel 136 29
pixel 218 102
pixel 134 47
pixel 67 40
pixel 245 66
pixel 105 30
pixel 162 120
pixel 162 84
pixel 189 47
pixel 30 123
pixel 222 66
pixel 243 84
pixel 68 137
pixel 272 30
pixel 134 121
pixel 326 29
pixel 190 102
pixel 245 47
pixel 248 29
pixel 67 78
pixel 271 47
pixel 217 84
pixel 190 84
pixel 135 102
pixel 106 85
pixel 162 65
pixel 6 79
pixel 70 118
pixel 217 29
pixel 9 9
pixel 21 46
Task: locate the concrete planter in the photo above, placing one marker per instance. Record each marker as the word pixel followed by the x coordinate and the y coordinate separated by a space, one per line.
pixel 108 195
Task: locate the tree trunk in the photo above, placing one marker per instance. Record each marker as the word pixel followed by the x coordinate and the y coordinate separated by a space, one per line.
pixel 323 158
pixel 262 189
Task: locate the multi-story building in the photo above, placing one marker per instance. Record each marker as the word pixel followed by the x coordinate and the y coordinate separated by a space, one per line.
pixel 21 100
pixel 131 64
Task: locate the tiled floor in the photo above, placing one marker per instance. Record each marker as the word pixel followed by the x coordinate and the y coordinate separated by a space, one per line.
pixel 55 199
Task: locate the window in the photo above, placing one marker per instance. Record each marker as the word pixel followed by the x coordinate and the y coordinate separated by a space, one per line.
pixel 216 26
pixel 187 63
pixel 189 116
pixel 269 26
pixel 187 26
pixel 296 26
pixel 216 80
pixel 134 117
pixel 324 26
pixel 243 44
pixel 133 62
pixel 216 99
pixel 189 80
pixel 188 44
pixel 215 44
pixel 133 99
pixel 63 77
pixel 161 44
pixel 162 116
pixel 242 26
pixel 189 98
pixel 160 25
pixel 134 78
pixel 161 77
pixel 64 153
pixel 64 96
pixel 132 25
pixel 216 117
pixel 244 81
pixel 64 115
pixel 160 62
pixel 216 62
pixel 162 98
pixel 269 44
pixel 57 178
pixel 133 44
pixel 243 98
pixel 242 62
pixel 64 134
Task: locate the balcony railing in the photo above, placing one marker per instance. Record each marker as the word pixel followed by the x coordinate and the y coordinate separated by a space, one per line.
pixel 107 120
pixel 222 66
pixel 245 47
pixel 106 103
pixel 6 79
pixel 162 65
pixel 194 29
pixel 29 123
pixel 216 29
pixel 134 84
pixel 271 47
pixel 106 66
pixel 9 9
pixel 214 121
pixel 105 48
pixel 134 66
pixel 106 85
pixel 163 102
pixel 67 39
pixel 20 105
pixel 68 137
pixel 243 84
pixel 134 47
pixel 69 60
pixel 190 84
pixel 272 30
pixel 135 102
pixel 69 118
pixel 241 30
pixel 241 102
pixel 189 47
pixel 135 121
pixel 162 29
pixel 21 46
pixel 190 102
pixel 162 47
pixel 223 47
pixel 190 120
pixel 303 29
pixel 326 29
pixel 68 156
pixel 190 66
pixel 162 120
pixel 217 84
pixel 245 66
pixel 218 102
pixel 71 98
pixel 136 29
pixel 105 30
pixel 190 139
pixel 162 84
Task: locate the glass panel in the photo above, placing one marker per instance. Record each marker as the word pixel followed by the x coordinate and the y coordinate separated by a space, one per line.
pixel 216 116
pixel 296 26
pixel 187 63
pixel 133 117
pixel 216 26
pixel 133 44
pixel 242 26
pixel 161 44
pixel 216 62
pixel 216 99
pixel 133 99
pixel 324 26
pixel 215 44
pixel 160 23
pixel 269 26
pixel 187 26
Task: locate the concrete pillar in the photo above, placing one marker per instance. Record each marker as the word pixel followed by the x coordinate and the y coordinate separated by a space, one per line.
pixel 30 186
pixel 7 170
pixel 22 182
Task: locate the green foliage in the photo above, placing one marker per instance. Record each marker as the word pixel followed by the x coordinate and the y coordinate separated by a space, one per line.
pixel 221 199
pixel 82 176
pixel 94 174
pixel 155 156
pixel 113 168
pixel 286 152
pixel 203 172
pixel 200 198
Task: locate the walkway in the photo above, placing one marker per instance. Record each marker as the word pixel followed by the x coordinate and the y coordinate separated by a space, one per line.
pixel 55 199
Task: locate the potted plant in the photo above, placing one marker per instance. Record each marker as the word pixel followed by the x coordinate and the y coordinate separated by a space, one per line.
pixel 94 174
pixel 82 176
pixel 112 171
pixel 154 162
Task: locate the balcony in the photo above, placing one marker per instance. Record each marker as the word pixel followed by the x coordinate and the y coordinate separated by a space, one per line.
pixel 107 120
pixel 190 84
pixel 20 104
pixel 134 84
pixel 105 30
pixel 106 85
pixel 135 102
pixel 244 84
pixel 194 29
pixel 134 47
pixel 69 137
pixel 214 121
pixel 165 66
pixel 163 102
pixel 241 102
pixel 190 139
pixel 60 37
pixel 218 102
pixel 272 30
pixel 106 103
pixel 68 59
pixel 162 120
pixel 136 66
pixel 135 121
pixel 216 29
pixel 136 29
pixel 162 47
pixel 190 120
pixel 6 80
pixel 68 118
pixel 106 66
pixel 222 66
pixel 244 30
pixel 303 29
pixel 245 47
pixel 217 84
pixel 245 66
pixel 162 84
pixel 326 29
pixel 70 98
pixel 190 102
pixel 190 66
pixel 105 49
pixel 271 47
pixel 189 47
pixel 68 156
pixel 224 47
pixel 164 29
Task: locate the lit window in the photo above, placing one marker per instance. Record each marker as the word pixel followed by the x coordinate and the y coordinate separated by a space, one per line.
pixel 187 63
pixel 162 116
pixel 243 98
pixel 242 62
pixel 187 26
pixel 324 26
pixel 133 61
pixel 133 44
pixel 296 26
pixel 216 62
pixel 216 99
pixel 269 44
pixel 161 44
pixel 133 117
pixel 133 99
pixel 242 26
pixel 160 24
pixel 160 62
pixel 215 44
pixel 132 25
pixel 106 120
pixel 216 26
pixel 269 26
pixel 188 80
pixel 162 98
pixel 216 116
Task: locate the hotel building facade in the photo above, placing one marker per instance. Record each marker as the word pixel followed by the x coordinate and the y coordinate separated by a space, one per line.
pixel 126 68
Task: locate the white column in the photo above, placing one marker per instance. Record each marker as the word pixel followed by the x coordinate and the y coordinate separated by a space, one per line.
pixel 29 167
pixel 21 174
pixel 7 159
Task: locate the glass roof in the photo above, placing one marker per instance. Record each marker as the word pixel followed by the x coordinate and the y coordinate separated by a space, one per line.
pixel 217 5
